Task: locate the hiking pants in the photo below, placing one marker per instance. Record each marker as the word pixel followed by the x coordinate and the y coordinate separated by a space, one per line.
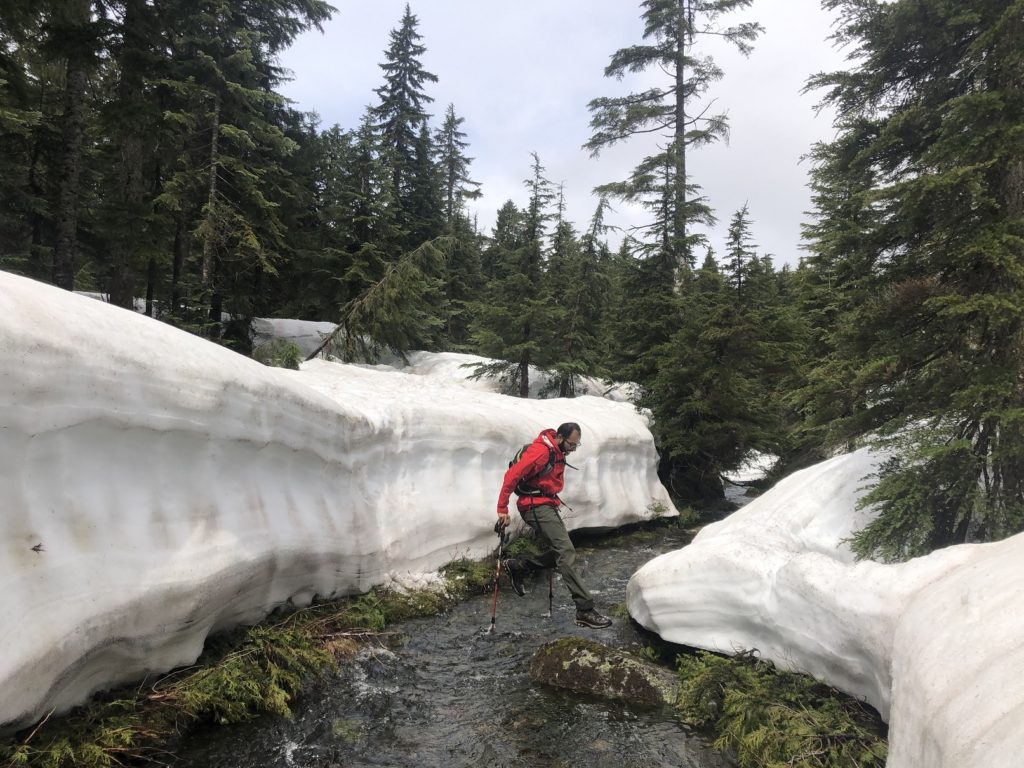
pixel 558 551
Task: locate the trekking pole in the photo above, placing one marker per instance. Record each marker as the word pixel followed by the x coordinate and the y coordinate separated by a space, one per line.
pixel 502 538
pixel 551 590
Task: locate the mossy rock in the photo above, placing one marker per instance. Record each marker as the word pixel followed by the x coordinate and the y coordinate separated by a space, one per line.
pixel 588 667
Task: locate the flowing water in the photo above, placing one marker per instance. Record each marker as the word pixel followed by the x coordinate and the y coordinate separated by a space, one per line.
pixel 446 693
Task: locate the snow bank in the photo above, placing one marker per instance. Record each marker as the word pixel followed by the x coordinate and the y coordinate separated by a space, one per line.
pixel 755 467
pixel 307 335
pixel 936 644
pixel 450 367
pixel 158 487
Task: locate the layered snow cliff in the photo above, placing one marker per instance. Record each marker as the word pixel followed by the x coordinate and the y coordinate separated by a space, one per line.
pixel 935 644
pixel 158 487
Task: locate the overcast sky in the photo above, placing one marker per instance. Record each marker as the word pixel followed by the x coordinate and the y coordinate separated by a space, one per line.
pixel 522 73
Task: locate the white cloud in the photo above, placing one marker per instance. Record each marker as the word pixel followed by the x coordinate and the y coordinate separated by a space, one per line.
pixel 522 74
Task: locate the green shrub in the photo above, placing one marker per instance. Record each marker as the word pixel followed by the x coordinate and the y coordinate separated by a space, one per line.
pixel 774 719
pixel 279 353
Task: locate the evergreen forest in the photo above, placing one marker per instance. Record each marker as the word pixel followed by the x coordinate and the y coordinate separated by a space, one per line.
pixel 146 152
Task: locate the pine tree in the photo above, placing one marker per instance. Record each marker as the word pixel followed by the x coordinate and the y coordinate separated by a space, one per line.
pixel 131 118
pixel 401 114
pixel 425 206
pixel 739 251
pixel 921 235
pixel 673 28
pixel 74 34
pixel 231 147
pixel 454 164
pixel 21 134
pixel 517 320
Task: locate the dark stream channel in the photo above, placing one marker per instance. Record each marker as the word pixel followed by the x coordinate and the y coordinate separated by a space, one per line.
pixel 447 694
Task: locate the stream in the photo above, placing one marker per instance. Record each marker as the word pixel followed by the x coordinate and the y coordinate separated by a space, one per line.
pixel 444 692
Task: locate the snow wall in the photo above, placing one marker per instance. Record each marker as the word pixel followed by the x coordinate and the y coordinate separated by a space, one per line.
pixel 158 487
pixel 935 644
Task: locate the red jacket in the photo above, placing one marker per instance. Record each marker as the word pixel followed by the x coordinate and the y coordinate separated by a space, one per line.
pixel 533 460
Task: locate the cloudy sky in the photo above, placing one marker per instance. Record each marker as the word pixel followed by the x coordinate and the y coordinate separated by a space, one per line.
pixel 522 73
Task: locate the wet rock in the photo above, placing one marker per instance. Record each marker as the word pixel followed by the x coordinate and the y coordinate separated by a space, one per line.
pixel 588 667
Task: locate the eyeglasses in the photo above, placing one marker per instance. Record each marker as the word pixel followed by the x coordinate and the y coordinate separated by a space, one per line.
pixel 574 444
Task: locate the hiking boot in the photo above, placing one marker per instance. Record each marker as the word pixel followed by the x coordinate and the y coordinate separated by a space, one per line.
pixel 592 619
pixel 515 572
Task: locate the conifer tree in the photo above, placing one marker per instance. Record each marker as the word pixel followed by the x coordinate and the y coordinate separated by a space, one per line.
pixel 506 239
pixel 131 118
pixel 457 186
pixel 463 282
pixel 715 396
pixel 425 206
pixel 401 115
pixel 231 145
pixel 673 29
pixel 578 272
pixel 465 268
pixel 517 320
pixel 21 134
pixel 367 206
pixel 740 252
pixel 921 238
pixel 74 34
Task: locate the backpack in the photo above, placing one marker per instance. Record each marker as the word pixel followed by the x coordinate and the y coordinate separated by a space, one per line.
pixel 523 487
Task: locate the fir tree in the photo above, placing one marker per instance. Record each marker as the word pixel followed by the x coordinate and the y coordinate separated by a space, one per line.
pixel 425 206
pixel 673 28
pixel 229 166
pixel 517 320
pixel 740 252
pixel 921 240
pixel 401 115
pixel 457 187
pixel 578 271
pixel 21 134
pixel 74 34
pixel 132 119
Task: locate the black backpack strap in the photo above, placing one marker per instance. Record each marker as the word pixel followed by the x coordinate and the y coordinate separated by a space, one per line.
pixel 525 486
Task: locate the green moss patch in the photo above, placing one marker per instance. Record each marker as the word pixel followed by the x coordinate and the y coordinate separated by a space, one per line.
pixel 588 667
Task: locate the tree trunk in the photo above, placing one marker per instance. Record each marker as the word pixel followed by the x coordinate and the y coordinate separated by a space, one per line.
pixel 211 198
pixel 72 139
pixel 131 189
pixel 178 263
pixel 680 245
pixel 150 285
pixel 524 375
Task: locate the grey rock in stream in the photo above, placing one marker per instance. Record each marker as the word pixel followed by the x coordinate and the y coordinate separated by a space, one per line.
pixel 609 673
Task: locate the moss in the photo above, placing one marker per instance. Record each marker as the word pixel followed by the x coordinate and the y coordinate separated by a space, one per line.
pixel 523 546
pixel 588 667
pixel 465 578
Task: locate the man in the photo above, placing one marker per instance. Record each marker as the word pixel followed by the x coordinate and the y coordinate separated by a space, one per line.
pixel 537 478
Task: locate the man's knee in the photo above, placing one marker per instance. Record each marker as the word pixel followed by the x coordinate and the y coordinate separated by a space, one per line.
pixel 567 558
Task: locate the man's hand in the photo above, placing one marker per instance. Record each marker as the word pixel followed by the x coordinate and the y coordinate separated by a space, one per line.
pixel 502 522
